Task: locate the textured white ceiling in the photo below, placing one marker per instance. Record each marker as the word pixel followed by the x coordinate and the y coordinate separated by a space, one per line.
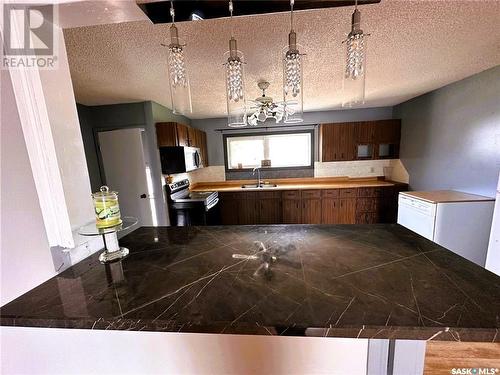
pixel 415 47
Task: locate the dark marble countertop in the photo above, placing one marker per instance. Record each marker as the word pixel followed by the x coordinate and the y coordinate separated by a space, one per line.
pixel 365 281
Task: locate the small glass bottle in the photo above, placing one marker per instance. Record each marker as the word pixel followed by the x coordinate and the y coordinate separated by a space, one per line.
pixel 107 210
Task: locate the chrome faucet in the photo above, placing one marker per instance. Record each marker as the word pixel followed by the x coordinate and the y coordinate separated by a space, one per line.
pixel 259 181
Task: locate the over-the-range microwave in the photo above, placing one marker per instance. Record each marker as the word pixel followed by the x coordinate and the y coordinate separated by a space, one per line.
pixel 178 159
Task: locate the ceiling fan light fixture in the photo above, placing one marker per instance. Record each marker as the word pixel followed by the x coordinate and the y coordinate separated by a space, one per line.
pixel 353 83
pixel 180 90
pixel 292 76
pixel 235 81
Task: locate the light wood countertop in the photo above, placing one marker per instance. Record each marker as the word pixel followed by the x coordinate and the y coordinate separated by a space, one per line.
pixel 446 196
pixel 294 184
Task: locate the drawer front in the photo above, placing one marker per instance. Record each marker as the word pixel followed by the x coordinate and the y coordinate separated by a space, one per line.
pixel 366 218
pixel 348 193
pixel 249 195
pixel 370 192
pixel 269 195
pixel 225 195
pixel 311 194
pixel 291 194
pixel 331 193
pixel 367 205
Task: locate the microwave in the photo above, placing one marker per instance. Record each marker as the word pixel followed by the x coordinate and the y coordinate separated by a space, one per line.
pixel 177 159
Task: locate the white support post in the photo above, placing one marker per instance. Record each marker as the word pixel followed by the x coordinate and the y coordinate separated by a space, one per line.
pixel 40 146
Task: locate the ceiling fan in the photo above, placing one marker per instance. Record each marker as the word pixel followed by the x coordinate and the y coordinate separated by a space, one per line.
pixel 264 107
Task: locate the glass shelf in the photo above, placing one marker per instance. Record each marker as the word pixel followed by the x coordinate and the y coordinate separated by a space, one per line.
pixel 92 230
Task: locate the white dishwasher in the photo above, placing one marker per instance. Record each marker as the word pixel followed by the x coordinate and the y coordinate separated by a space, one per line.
pixel 458 221
pixel 417 215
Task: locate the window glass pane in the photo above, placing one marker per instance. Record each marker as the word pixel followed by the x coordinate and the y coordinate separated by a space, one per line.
pixel 290 150
pixel 284 150
pixel 247 151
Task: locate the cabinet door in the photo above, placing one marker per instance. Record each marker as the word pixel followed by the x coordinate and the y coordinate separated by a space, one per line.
pixel 328 142
pixel 228 203
pixel 270 211
pixel 365 132
pixel 194 137
pixel 366 218
pixel 330 210
pixel 248 210
pixel 203 148
pixel 346 144
pixel 292 211
pixel 311 211
pixel 182 135
pixel 166 134
pixel 388 131
pixel 347 211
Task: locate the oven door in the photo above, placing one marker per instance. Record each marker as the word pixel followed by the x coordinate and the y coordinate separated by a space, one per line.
pixel 192 158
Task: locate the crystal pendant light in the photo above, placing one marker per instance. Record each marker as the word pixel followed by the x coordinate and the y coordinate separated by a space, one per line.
pixel 353 84
pixel 235 81
pixel 180 90
pixel 292 77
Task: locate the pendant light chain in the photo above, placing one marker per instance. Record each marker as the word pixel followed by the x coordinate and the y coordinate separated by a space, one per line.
pixel 231 8
pixel 292 2
pixel 235 91
pixel 172 12
pixel 179 83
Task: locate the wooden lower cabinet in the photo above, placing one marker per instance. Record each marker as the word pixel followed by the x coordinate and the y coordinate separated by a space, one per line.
pixel 311 211
pixel 269 207
pixel 291 207
pixel 228 203
pixel 333 206
pixel 347 211
pixel 330 210
pixel 248 209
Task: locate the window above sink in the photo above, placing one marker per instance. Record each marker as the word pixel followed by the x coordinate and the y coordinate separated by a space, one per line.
pixel 280 149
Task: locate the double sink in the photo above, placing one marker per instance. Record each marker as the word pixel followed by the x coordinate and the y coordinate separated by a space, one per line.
pixel 258 186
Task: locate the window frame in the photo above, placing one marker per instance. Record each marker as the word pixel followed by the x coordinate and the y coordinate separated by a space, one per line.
pixel 264 133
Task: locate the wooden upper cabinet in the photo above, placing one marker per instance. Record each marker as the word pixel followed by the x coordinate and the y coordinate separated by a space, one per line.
pixel 360 140
pixel 387 139
pixel 365 132
pixel 388 131
pixel 182 135
pixel 175 134
pixel 327 142
pixel 166 134
pixel 204 148
pixel 337 141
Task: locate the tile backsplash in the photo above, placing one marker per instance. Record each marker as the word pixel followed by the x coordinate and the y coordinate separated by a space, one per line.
pixel 390 169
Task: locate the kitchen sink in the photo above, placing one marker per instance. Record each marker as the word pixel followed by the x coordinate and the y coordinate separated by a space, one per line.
pixel 257 186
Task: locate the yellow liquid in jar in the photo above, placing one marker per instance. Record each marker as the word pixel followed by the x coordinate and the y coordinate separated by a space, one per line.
pixel 107 213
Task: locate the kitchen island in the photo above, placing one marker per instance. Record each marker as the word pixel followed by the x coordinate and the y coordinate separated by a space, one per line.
pixel 353 281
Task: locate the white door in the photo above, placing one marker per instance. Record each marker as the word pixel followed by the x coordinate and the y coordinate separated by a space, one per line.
pixel 126 172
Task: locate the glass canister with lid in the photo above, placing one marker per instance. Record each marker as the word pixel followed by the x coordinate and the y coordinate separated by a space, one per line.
pixel 107 210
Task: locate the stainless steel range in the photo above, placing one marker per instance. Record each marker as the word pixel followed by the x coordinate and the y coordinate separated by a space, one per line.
pixel 191 208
